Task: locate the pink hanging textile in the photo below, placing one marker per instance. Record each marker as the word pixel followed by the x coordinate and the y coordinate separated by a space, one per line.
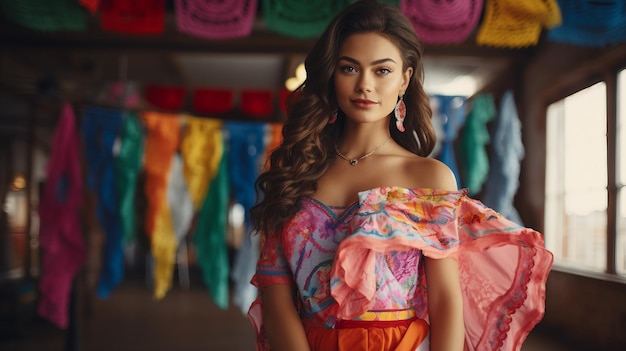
pixel 216 19
pixel 62 245
pixel 443 22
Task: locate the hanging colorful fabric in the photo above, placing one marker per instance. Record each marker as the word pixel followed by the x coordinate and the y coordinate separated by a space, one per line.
pixel 442 22
pixel 245 144
pixel 450 112
pixel 136 17
pixel 100 130
pixel 211 101
pixel 507 150
pixel 160 146
pixel 474 138
pixel 301 19
pixel 202 150
pixel 257 103
pixel 128 164
pixel 215 19
pixel 62 246
pixel 516 24
pixel 209 238
pixel 46 15
pixel 591 23
pixel 91 5
pixel 165 97
pixel 274 139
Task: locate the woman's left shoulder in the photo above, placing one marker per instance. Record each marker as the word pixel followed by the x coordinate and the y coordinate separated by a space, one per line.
pixel 430 173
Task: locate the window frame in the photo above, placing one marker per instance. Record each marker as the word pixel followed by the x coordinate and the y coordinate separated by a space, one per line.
pixel 577 81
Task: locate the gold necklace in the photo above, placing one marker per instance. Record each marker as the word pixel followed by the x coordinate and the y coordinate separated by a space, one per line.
pixel 355 161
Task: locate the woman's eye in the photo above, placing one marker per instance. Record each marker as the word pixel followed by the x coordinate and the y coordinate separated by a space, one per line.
pixel 348 69
pixel 384 71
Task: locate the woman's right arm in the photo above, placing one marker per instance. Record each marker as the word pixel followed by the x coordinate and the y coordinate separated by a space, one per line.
pixel 283 326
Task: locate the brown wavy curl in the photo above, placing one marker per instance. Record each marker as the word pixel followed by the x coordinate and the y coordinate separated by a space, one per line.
pixel 307 149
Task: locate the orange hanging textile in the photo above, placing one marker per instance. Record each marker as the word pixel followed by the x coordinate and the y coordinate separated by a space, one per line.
pixel 202 149
pixel 160 145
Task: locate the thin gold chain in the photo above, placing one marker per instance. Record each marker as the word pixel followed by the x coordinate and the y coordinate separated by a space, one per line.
pixel 355 161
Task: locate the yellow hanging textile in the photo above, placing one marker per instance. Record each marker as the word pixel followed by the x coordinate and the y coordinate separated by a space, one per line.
pixel 517 24
pixel 161 143
pixel 202 149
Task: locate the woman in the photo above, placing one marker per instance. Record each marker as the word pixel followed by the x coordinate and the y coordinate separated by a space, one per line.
pixel 367 243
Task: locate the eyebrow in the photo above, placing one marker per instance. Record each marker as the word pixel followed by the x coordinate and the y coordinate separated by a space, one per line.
pixel 376 62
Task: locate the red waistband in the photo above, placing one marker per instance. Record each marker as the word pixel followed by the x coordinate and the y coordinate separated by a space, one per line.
pixel 344 324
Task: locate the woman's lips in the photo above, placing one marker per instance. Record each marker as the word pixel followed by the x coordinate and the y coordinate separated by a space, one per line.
pixel 363 103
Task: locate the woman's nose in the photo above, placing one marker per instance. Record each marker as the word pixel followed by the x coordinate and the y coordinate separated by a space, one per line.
pixel 364 83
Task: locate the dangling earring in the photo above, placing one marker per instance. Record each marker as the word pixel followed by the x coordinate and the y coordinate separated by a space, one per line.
pixel 333 118
pixel 400 112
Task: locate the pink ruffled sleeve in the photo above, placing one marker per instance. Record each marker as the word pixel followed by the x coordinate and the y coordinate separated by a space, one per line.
pixel 503 266
pixel 272 268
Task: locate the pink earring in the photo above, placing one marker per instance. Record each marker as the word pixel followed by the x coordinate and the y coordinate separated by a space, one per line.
pixel 333 118
pixel 400 113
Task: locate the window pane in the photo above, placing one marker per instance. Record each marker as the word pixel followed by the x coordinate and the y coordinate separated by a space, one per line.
pixel 576 179
pixel 621 172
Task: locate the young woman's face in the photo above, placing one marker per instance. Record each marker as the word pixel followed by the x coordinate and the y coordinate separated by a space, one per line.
pixel 369 77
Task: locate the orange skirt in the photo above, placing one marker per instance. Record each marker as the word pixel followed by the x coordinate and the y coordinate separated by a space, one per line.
pixel 369 336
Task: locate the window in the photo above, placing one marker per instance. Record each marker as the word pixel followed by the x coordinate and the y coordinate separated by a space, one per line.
pixel 576 180
pixel 621 173
pixel 579 227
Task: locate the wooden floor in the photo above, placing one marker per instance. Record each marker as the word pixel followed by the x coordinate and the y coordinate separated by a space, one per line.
pixel 185 320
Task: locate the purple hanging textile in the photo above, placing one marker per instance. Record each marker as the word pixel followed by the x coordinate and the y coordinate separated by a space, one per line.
pixel 62 245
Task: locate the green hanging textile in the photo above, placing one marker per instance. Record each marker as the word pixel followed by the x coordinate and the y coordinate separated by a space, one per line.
pixel 301 19
pixel 128 164
pixel 474 138
pixel 46 15
pixel 209 236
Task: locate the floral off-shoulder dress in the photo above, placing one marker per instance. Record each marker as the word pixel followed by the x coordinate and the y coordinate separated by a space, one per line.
pixel 364 263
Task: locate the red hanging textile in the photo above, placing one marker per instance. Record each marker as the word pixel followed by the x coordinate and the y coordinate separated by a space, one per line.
pixel 91 5
pixel 283 95
pixel 135 17
pixel 165 97
pixel 257 103
pixel 210 101
pixel 216 19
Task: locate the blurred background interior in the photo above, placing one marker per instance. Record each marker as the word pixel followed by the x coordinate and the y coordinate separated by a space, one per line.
pixel 130 125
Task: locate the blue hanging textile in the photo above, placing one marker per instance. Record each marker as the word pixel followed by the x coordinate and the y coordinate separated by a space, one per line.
pixel 591 22
pixel 507 151
pixel 244 268
pixel 449 111
pixel 100 129
pixel 246 142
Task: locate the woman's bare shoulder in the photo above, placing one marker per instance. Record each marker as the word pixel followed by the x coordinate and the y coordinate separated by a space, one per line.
pixel 430 173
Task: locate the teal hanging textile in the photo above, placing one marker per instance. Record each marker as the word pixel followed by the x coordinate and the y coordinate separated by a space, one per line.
pixel 46 15
pixel 591 22
pixel 209 236
pixel 474 138
pixel 128 164
pixel 301 19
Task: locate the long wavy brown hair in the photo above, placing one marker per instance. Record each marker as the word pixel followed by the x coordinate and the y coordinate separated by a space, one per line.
pixel 308 143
